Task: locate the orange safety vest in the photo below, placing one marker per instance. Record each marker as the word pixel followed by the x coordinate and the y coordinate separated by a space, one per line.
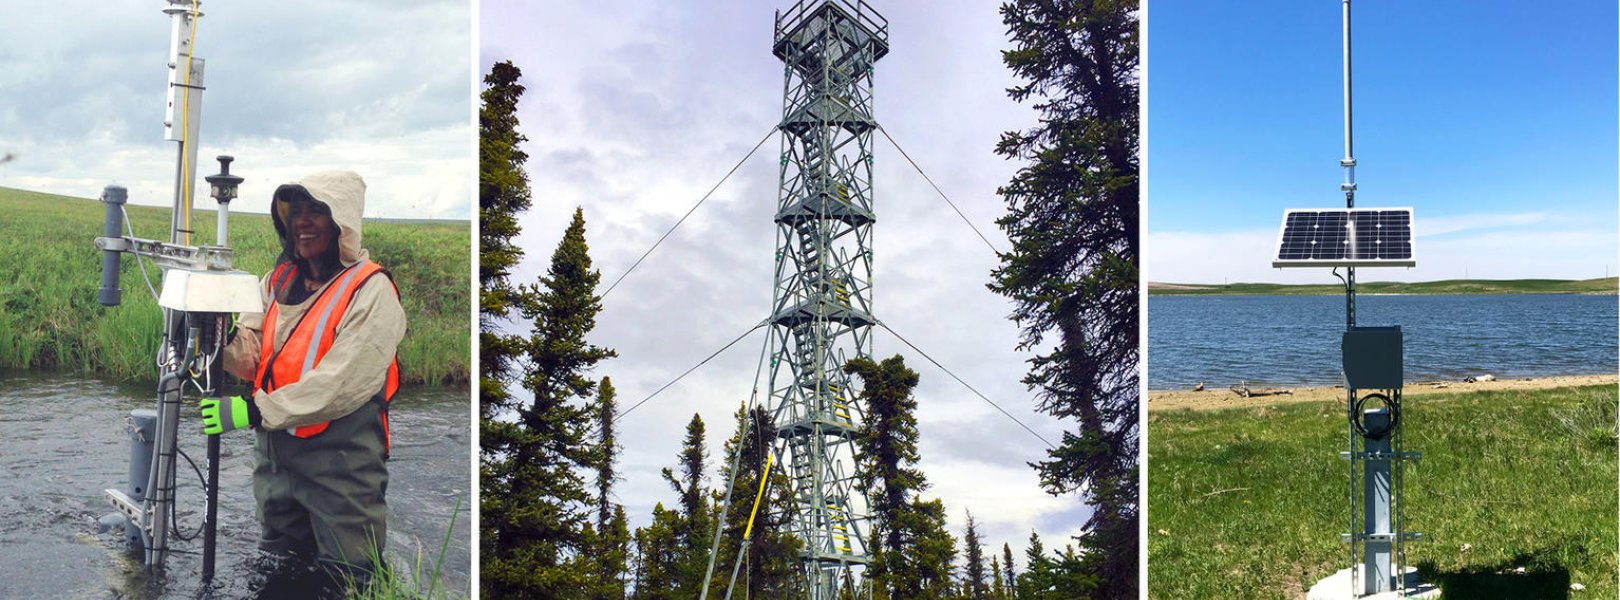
pixel 313 335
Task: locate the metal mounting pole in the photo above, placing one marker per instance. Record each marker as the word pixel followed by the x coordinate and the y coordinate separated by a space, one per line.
pixel 736 460
pixel 1349 164
pixel 1375 507
pixel 161 487
pixel 1377 532
pixel 215 375
pixel 183 119
pixel 211 514
pixel 1349 188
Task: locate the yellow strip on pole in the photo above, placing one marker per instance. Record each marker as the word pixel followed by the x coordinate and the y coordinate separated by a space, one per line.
pixel 185 118
pixel 748 531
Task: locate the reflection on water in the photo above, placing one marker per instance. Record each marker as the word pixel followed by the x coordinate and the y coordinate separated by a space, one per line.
pixel 63 440
pixel 1294 340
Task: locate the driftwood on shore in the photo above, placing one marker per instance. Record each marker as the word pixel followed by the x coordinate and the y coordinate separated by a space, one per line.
pixel 1244 391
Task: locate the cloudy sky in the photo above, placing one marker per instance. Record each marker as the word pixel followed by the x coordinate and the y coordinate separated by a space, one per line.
pixel 635 109
pixel 382 87
pixel 1495 121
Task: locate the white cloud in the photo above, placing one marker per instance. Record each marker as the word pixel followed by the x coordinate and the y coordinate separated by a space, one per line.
pixel 399 183
pixel 1537 245
pixel 1459 223
pixel 292 87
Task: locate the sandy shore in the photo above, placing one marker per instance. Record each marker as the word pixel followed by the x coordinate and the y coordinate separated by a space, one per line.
pixel 1215 397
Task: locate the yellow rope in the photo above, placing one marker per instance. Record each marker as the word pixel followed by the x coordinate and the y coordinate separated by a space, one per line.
pixel 185 122
pixel 748 532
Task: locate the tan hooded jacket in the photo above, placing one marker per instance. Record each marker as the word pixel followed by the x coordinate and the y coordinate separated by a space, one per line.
pixel 354 368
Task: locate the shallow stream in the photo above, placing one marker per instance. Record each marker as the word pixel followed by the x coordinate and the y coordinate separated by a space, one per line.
pixel 63 440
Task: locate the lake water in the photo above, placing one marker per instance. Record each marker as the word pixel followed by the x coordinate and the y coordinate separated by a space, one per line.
pixel 63 440
pixel 1294 340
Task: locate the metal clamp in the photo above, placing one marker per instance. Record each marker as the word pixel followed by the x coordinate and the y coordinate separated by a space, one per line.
pixel 167 255
pixel 135 512
pixel 1409 536
pixel 1412 456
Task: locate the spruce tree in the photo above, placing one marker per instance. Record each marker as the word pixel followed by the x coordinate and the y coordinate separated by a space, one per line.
pixel 1036 582
pixel 657 554
pixel 1073 571
pixel 1073 270
pixel 998 586
pixel 542 547
pixel 887 467
pixel 615 556
pixel 503 194
pixel 973 583
pixel 613 536
pixel 926 572
pixel 1007 565
pixel 915 550
pixel 608 449
pixel 695 525
pixel 1056 577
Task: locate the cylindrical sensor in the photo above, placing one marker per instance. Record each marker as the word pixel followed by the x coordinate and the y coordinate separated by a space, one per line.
pixel 142 435
pixel 222 186
pixel 114 197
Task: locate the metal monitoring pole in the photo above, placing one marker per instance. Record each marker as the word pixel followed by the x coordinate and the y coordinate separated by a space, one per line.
pixel 201 290
pixel 1349 164
pixel 1349 188
pixel 822 315
pixel 1348 238
pixel 183 115
pixel 222 187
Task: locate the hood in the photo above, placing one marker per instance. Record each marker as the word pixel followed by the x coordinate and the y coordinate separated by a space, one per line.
pixel 343 193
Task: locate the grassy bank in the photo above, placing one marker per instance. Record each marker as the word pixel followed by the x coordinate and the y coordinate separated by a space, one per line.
pixel 1609 285
pixel 49 317
pixel 1249 503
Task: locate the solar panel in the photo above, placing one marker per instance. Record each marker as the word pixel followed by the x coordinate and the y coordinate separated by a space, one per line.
pixel 1345 237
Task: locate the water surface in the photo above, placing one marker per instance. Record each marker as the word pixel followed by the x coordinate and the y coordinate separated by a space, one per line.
pixel 1294 340
pixel 63 440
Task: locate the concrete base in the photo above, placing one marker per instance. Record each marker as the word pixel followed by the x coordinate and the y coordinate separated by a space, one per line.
pixel 1346 584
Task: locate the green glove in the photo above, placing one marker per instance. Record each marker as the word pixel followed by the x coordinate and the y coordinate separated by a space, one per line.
pixel 228 414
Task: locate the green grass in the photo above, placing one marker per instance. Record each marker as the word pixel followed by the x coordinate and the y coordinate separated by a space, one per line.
pixel 388 583
pixel 49 317
pixel 1249 503
pixel 1608 285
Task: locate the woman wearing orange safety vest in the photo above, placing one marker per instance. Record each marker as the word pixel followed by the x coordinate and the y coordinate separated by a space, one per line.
pixel 321 362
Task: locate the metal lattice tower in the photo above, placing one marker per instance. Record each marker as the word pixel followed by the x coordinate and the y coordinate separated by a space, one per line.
pixel 822 312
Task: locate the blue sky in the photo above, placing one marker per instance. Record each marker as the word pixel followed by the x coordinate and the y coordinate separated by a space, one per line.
pixel 1495 121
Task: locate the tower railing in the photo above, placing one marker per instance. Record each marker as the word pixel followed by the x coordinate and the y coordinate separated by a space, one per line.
pixel 858 11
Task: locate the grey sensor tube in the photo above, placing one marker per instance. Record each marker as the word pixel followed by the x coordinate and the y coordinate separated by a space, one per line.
pixel 114 197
